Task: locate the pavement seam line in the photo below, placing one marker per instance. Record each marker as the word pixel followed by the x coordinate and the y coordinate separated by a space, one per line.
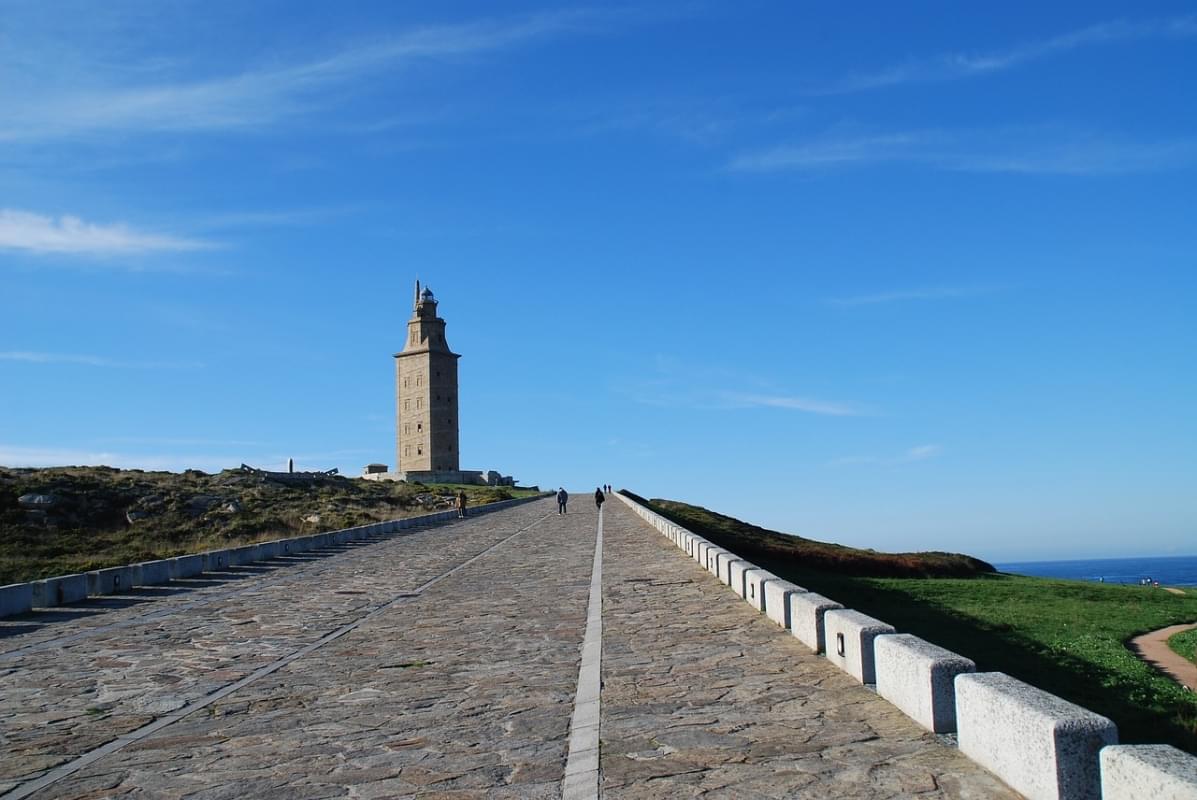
pixel 581 781
pixel 27 788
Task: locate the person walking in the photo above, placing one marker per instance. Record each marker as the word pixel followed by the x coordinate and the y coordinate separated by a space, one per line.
pixel 562 499
pixel 461 504
pixel 598 499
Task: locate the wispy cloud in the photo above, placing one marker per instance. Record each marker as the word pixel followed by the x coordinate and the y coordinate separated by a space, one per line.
pixel 1012 150
pixel 791 403
pixel 36 233
pixel 267 219
pixel 675 385
pixel 920 452
pixel 258 97
pixel 31 357
pixel 959 65
pixel 905 295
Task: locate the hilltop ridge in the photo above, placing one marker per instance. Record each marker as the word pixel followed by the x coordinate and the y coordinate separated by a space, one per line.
pixel 59 520
pixel 748 540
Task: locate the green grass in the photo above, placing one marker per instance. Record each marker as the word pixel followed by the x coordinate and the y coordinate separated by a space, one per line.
pixel 1184 644
pixel 1065 637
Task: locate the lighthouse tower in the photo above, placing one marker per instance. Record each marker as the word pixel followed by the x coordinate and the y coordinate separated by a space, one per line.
pixel 426 393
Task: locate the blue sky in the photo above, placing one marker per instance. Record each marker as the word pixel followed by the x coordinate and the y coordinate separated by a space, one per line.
pixel 904 276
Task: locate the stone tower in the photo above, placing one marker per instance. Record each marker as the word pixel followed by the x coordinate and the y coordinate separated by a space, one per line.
pixel 426 393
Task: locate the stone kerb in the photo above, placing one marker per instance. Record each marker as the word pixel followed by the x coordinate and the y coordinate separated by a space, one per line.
pixel 215 560
pixel 755 581
pixel 712 562
pixel 1042 746
pixel 736 571
pixel 777 601
pixel 732 576
pixel 109 581
pixel 246 554
pixel 919 678
pixel 60 591
pixel 16 598
pixel 1135 771
pixel 268 550
pixel 186 566
pixel 151 573
pixel 807 612
pixel 849 641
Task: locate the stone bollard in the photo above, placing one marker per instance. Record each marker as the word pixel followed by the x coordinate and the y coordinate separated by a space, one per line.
pixel 919 678
pixel 735 575
pixel 716 559
pixel 151 573
pixel 1135 771
pixel 850 636
pixel 1042 746
pixel 755 581
pixel 186 566
pixel 113 580
pixel 807 612
pixel 777 601
pixel 16 598
pixel 59 591
pixel 216 561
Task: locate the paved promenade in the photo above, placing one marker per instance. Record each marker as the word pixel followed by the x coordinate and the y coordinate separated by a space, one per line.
pixel 444 663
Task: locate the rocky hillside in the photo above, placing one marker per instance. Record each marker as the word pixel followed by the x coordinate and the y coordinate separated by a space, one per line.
pixel 774 548
pixel 60 520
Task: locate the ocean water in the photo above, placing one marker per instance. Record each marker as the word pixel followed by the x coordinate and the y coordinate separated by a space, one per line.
pixel 1171 571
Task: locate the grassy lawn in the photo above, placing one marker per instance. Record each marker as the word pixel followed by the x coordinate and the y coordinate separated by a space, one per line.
pixel 1185 644
pixel 1065 637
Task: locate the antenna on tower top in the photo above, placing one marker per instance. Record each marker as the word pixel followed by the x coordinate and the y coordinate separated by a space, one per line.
pixel 417 300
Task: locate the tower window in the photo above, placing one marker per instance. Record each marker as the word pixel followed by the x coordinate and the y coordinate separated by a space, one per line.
pixel 419 427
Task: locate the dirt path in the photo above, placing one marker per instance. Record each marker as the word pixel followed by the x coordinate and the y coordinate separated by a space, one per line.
pixel 1153 648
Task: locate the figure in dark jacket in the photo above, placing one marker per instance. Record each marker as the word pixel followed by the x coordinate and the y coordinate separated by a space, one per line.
pixel 461 504
pixel 598 499
pixel 562 499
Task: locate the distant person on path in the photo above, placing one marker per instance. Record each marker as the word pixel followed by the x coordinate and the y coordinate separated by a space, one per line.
pixel 461 504
pixel 598 499
pixel 562 499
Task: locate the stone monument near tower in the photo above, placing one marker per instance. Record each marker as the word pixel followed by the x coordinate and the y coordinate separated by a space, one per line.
pixel 426 421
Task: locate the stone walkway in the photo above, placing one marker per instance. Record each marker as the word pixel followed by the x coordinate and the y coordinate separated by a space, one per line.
pixel 1153 648
pixel 443 663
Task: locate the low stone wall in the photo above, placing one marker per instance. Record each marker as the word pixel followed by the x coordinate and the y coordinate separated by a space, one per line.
pixel 21 598
pixel 1041 745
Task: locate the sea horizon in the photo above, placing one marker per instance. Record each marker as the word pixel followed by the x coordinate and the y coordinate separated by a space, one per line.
pixel 1167 570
